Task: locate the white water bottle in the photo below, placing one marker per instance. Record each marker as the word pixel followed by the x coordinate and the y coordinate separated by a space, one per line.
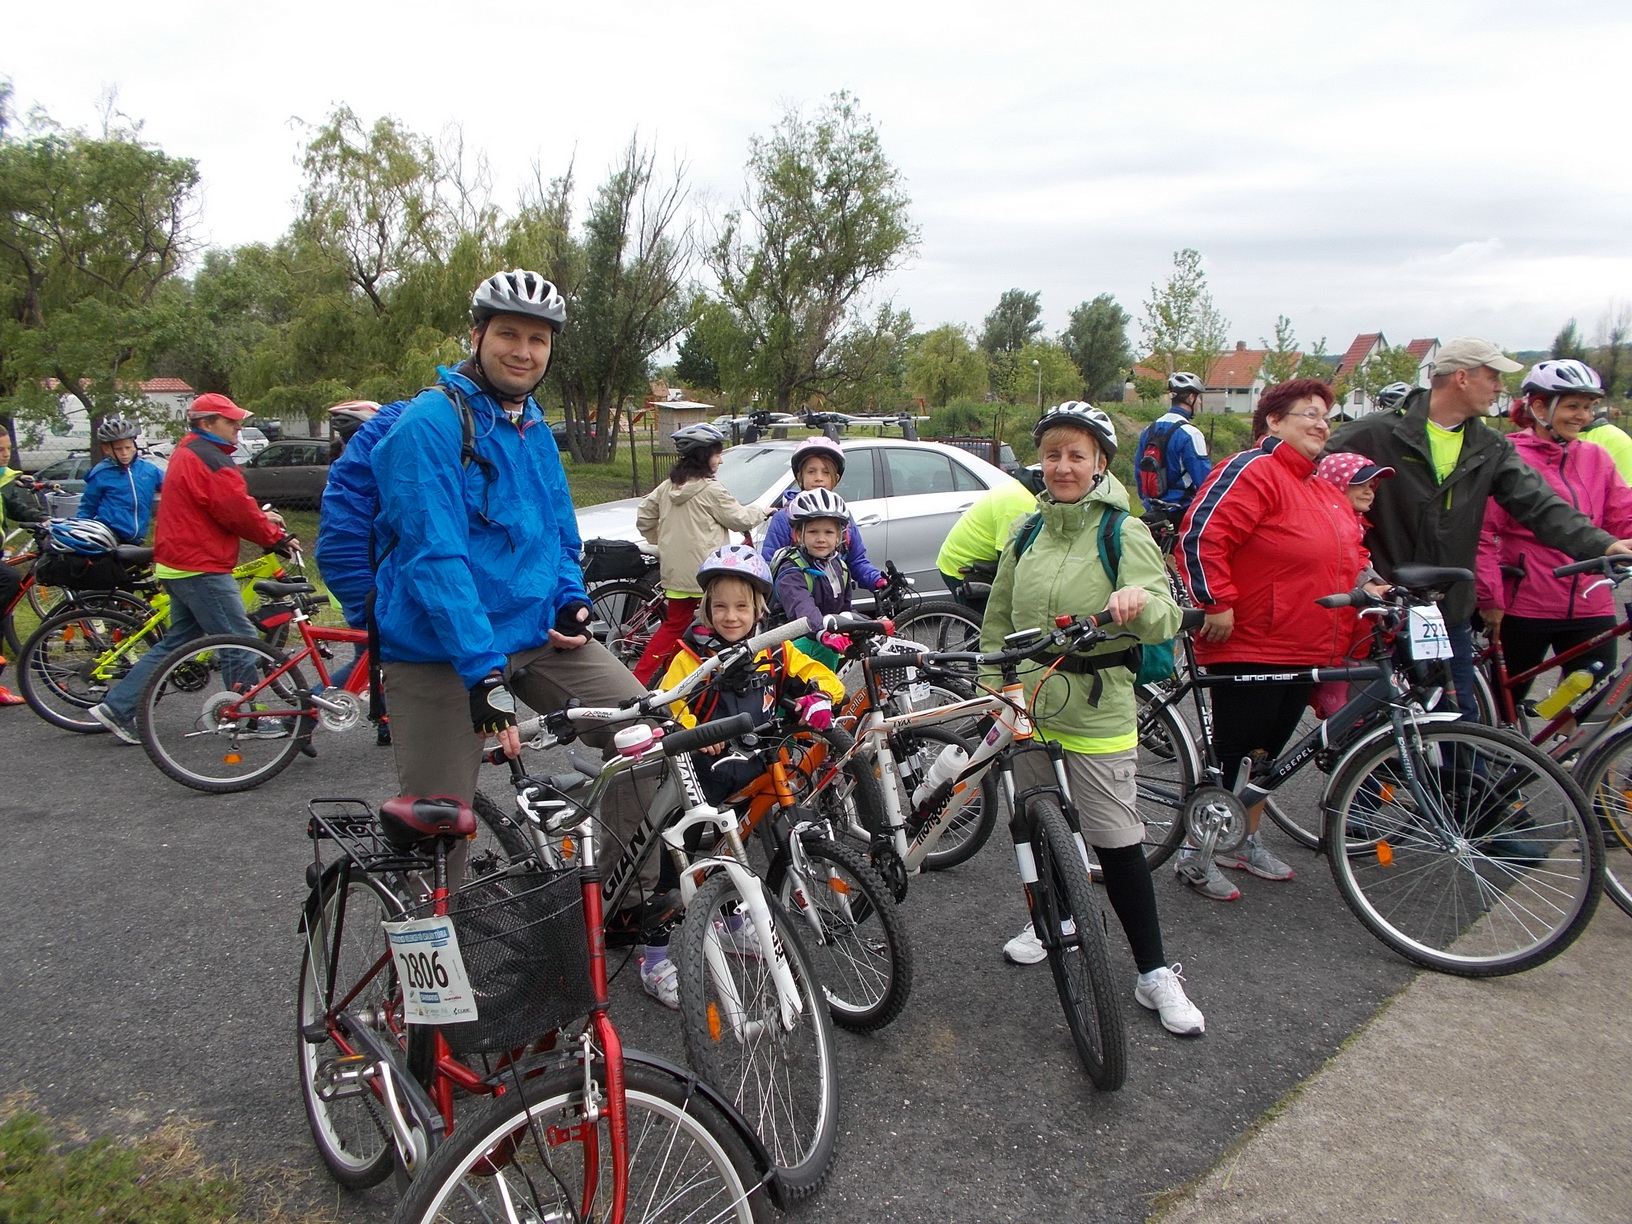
pixel 938 778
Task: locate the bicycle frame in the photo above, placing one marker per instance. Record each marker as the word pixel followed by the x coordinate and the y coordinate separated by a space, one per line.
pixel 1610 699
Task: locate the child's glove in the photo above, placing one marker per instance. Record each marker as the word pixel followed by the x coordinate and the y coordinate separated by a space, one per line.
pixel 835 641
pixel 815 711
pixel 883 581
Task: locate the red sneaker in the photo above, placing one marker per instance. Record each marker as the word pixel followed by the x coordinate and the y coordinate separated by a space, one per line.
pixel 7 697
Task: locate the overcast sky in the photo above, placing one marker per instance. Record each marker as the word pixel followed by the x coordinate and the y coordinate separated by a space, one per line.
pixel 1428 168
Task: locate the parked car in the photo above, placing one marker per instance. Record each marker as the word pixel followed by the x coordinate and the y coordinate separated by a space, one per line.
pixel 289 473
pixel 252 439
pixel 70 472
pixel 241 454
pixel 904 496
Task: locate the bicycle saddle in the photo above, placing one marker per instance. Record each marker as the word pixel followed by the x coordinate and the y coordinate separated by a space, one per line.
pixel 274 589
pixel 409 820
pixel 1429 577
pixel 132 555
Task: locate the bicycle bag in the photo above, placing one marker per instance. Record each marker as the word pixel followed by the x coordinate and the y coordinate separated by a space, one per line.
pixel 606 560
pixel 81 573
pixel 1152 462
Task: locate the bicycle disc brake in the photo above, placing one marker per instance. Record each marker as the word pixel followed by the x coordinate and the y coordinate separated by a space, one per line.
pixel 888 864
pixel 1215 819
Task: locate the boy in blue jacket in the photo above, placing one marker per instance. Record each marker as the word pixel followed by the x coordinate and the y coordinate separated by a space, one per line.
pixel 119 491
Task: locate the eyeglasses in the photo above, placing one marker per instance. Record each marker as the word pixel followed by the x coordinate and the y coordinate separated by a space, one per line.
pixel 1314 418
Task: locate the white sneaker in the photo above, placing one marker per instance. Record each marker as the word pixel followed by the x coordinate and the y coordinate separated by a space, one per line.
pixel 662 981
pixel 1164 995
pixel 738 937
pixel 1025 948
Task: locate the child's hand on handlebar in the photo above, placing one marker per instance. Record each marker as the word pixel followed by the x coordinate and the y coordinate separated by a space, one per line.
pixel 815 711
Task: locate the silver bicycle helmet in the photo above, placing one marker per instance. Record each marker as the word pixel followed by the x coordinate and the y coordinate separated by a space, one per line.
pixel 118 429
pixel 825 447
pixel 87 537
pixel 1393 395
pixel 1082 416
pixel 817 504
pixel 696 440
pixel 1182 382
pixel 519 292
pixel 1566 377
pixel 736 561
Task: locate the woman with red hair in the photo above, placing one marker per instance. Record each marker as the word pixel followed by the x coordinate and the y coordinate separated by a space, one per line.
pixel 1264 539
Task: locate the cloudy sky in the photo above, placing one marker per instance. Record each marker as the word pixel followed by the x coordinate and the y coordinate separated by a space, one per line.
pixel 1427 168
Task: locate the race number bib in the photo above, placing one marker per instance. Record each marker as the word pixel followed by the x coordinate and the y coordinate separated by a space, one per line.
pixel 1429 640
pixel 435 989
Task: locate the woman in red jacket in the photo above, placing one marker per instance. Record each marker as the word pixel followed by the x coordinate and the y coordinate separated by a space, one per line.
pixel 1262 541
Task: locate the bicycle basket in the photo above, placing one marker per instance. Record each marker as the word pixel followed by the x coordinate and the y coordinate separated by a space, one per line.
pixel 526 952
pixel 606 560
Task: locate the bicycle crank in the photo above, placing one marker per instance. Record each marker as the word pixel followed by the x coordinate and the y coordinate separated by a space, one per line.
pixel 889 866
pixel 338 710
pixel 1215 819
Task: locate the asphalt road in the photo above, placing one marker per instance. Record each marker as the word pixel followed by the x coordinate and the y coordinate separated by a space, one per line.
pixel 149 933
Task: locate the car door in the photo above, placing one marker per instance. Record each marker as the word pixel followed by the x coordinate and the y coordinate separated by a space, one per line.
pixel 926 490
pixel 267 474
pixel 308 475
pixel 860 488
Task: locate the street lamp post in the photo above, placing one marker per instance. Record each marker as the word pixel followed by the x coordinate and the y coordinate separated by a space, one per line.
pixel 1038 366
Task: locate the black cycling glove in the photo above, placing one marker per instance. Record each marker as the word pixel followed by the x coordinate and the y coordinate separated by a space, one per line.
pixel 573 620
pixel 492 707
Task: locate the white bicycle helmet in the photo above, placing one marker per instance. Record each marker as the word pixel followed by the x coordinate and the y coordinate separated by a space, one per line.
pixel 1182 382
pixel 87 537
pixel 117 429
pixel 825 447
pixel 1393 395
pixel 1083 416
pixel 349 417
pixel 736 561
pixel 1566 377
pixel 519 292
pixel 812 504
pixel 696 440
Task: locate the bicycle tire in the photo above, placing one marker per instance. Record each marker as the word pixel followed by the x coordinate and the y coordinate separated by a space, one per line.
pixel 860 799
pixel 350 1128
pixel 962 838
pixel 1606 778
pixel 631 613
pixel 1062 902
pixel 783 1081
pixel 939 625
pixel 534 1148
pixel 1168 769
pixel 58 665
pixel 860 948
pixel 497 834
pixel 1497 871
pixel 184 737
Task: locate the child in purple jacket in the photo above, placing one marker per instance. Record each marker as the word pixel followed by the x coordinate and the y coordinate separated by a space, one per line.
pixel 819 464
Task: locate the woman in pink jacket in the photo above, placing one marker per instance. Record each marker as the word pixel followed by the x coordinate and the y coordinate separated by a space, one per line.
pixel 1539 611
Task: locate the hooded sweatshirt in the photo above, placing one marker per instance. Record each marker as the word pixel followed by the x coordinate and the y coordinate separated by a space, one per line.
pixel 686 523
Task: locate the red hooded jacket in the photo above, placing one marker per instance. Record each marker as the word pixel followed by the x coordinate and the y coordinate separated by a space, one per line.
pixel 1266 539
pixel 206 510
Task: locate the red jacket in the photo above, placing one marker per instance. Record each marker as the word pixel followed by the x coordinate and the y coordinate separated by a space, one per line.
pixel 1266 539
pixel 206 509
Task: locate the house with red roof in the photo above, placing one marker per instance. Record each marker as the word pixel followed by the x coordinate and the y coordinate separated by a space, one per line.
pixel 1233 384
pixel 42 442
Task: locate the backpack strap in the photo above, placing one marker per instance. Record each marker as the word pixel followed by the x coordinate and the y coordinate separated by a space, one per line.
pixel 1110 543
pixel 1030 527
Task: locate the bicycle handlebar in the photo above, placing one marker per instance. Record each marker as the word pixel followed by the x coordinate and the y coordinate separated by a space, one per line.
pixel 705 734
pixel 1604 564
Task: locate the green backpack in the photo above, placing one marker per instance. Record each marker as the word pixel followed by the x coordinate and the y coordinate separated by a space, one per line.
pixel 1149 664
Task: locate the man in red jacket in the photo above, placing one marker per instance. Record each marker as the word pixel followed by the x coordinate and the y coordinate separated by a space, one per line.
pixel 205 511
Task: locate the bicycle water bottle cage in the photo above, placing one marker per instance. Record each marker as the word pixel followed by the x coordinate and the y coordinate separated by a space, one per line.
pixel 409 820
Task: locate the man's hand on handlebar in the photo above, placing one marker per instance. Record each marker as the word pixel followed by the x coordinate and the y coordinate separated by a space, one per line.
pixel 1619 548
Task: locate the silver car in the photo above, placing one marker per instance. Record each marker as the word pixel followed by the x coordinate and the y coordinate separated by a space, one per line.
pixel 904 496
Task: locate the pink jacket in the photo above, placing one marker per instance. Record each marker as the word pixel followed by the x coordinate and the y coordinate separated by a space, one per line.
pixel 1584 476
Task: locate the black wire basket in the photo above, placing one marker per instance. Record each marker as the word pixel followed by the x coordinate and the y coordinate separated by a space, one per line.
pixel 526 953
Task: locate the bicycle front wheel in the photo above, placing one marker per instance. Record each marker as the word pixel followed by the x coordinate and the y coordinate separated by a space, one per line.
pixel 347 968
pixel 854 929
pixel 779 1073
pixel 1606 777
pixel 534 1154
pixel 1071 928
pixel 224 714
pixel 1484 863
pixel 73 659
pixel 629 613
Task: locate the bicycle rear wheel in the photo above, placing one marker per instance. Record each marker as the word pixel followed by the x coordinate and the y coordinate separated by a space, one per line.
pixel 940 625
pixel 1066 919
pixel 630 613
pixel 534 1154
pixel 1486 865
pixel 346 967
pixel 962 837
pixel 214 718
pixel 1606 777
pixel 73 659
pixel 1168 769
pixel 781 1076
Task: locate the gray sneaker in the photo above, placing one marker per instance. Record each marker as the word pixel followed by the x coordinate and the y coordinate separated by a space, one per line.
pixel 1251 856
pixel 123 731
pixel 1208 881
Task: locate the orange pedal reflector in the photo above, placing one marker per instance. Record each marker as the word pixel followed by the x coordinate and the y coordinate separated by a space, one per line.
pixel 842 887
pixel 714 1020
pixel 1385 854
pixel 233 758
pixel 1385 792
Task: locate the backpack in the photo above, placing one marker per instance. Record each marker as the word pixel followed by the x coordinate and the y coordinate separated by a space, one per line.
pixel 1152 461
pixel 1149 664
pixel 790 556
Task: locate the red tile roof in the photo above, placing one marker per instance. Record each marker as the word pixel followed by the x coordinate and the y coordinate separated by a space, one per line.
pixel 1235 369
pixel 1419 348
pixel 1357 352
pixel 166 385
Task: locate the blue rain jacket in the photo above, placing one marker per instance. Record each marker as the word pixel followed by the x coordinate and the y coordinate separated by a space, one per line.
pixel 345 522
pixel 121 497
pixel 474 564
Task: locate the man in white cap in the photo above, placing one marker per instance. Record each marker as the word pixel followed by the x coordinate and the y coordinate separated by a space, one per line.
pixel 1447 465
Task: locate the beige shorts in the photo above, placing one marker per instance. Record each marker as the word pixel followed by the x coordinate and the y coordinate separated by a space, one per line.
pixel 1106 794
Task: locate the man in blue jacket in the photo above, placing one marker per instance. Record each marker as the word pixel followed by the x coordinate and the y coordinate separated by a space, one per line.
pixel 1167 489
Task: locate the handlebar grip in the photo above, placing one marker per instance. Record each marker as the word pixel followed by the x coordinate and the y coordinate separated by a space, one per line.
pixel 858 626
pixel 775 637
pixel 1583 567
pixel 1191 619
pixel 1345 600
pixel 705 734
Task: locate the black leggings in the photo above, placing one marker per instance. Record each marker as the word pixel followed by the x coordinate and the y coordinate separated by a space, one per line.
pixel 1525 641
pixel 1133 897
pixel 1249 718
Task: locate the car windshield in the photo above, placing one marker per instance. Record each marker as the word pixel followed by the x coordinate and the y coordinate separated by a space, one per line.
pixel 749 470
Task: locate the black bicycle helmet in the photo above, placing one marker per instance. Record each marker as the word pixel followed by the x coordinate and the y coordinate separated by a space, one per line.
pixel 1393 395
pixel 117 429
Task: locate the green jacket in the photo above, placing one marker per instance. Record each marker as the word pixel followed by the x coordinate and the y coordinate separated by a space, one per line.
pixel 1061 573
pixel 1616 441
pixel 1417 519
pixel 17 505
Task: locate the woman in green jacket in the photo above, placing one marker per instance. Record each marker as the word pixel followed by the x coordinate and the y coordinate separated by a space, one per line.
pixel 1060 572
